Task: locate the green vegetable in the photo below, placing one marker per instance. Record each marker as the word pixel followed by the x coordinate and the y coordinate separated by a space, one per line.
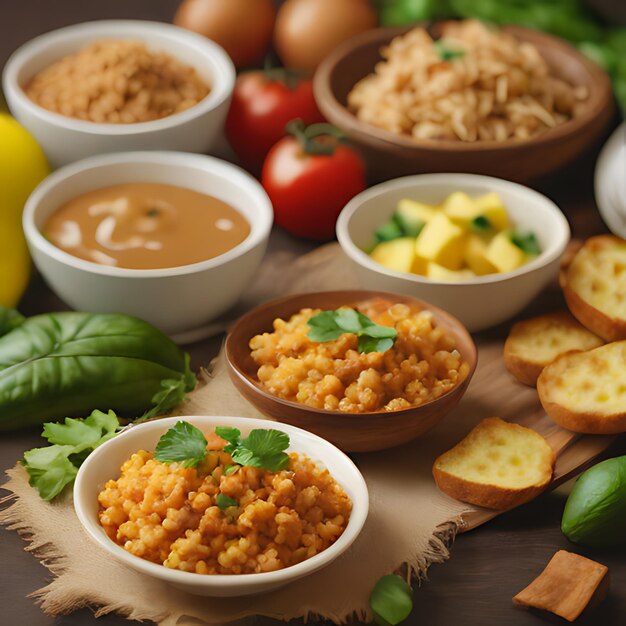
pixel 69 363
pixel 388 231
pixel 223 502
pixel 263 448
pixel 595 512
pixel 391 600
pixel 52 468
pixel 9 319
pixel 446 53
pixel 183 443
pixel 481 224
pixel 409 223
pixel 601 54
pixel 399 12
pixel 330 325
pixel 527 242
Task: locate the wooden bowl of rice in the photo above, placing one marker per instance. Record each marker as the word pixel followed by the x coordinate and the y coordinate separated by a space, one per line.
pixel 450 135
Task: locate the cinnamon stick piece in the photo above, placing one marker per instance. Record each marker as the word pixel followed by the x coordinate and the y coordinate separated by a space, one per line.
pixel 569 584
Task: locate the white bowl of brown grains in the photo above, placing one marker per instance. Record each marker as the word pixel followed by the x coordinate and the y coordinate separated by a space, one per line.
pixel 119 85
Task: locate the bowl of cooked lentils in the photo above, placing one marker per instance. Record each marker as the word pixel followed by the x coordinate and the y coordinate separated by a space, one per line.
pixel 117 85
pixel 366 370
pixel 221 506
pixel 464 96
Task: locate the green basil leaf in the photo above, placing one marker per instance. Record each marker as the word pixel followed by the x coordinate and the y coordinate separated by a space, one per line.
pixel 183 443
pixel 95 359
pixel 223 502
pixel 391 600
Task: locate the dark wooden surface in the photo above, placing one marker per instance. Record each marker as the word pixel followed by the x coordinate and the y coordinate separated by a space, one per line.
pixel 487 566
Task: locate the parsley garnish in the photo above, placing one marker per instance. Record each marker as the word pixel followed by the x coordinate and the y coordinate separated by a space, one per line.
pixel 53 467
pixel 262 448
pixel 527 242
pixel 330 325
pixel 184 444
pixel 223 502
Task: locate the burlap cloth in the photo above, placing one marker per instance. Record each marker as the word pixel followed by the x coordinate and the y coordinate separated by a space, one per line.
pixel 410 522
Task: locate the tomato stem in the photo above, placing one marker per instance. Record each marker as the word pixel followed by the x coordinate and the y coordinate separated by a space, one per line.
pixel 289 77
pixel 308 137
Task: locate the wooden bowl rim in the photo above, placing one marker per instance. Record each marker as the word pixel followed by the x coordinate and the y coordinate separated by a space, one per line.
pixel 355 294
pixel 600 98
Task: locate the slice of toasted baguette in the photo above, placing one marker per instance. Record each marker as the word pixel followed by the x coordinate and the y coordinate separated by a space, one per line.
pixel 534 343
pixel 586 391
pixel 498 465
pixel 594 285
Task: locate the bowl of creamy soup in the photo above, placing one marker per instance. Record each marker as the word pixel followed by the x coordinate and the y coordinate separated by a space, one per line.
pixel 170 237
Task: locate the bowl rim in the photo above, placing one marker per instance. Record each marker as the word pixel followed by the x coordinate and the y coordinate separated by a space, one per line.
pixel 460 328
pixel 140 30
pixel 358 515
pixel 600 96
pixel 554 251
pixel 260 227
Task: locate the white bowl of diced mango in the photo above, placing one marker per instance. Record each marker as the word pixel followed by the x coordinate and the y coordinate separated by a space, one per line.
pixel 481 248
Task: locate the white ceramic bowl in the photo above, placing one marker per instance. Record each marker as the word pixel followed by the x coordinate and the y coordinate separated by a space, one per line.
pixel 481 302
pixel 175 299
pixel 65 139
pixel 105 462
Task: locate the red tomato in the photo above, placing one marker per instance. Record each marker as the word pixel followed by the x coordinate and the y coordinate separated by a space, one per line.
pixel 262 106
pixel 309 190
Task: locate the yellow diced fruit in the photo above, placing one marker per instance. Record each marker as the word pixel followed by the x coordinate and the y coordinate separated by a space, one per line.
pixel 491 206
pixel 443 274
pixel 441 241
pixel 460 208
pixel 476 255
pixel 417 210
pixel 504 254
pixel 398 254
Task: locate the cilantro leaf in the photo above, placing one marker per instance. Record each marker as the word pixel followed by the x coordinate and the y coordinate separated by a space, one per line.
pixel 82 433
pixel 171 394
pixel 229 470
pixel 183 443
pixel 262 448
pixel 527 242
pixel 232 435
pixel 49 469
pixel 329 325
pixel 223 502
pixel 53 467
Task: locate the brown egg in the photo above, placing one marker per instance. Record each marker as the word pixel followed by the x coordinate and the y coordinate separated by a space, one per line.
pixel 307 30
pixel 242 27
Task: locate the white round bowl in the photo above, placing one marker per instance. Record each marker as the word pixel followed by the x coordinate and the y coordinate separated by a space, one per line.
pixel 480 302
pixel 65 139
pixel 174 299
pixel 610 182
pixel 104 463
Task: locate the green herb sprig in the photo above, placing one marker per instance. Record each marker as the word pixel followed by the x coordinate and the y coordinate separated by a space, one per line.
pixel 224 502
pixel 262 448
pixel 330 325
pixel 447 53
pixel 527 242
pixel 53 467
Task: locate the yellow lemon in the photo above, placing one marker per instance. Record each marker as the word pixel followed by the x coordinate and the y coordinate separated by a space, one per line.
pixel 23 166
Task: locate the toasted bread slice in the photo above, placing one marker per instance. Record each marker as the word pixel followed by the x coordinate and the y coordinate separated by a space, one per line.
pixel 534 343
pixel 586 391
pixel 594 284
pixel 498 465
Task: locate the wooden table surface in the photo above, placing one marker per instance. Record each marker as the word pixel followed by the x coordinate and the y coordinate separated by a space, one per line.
pixel 487 566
